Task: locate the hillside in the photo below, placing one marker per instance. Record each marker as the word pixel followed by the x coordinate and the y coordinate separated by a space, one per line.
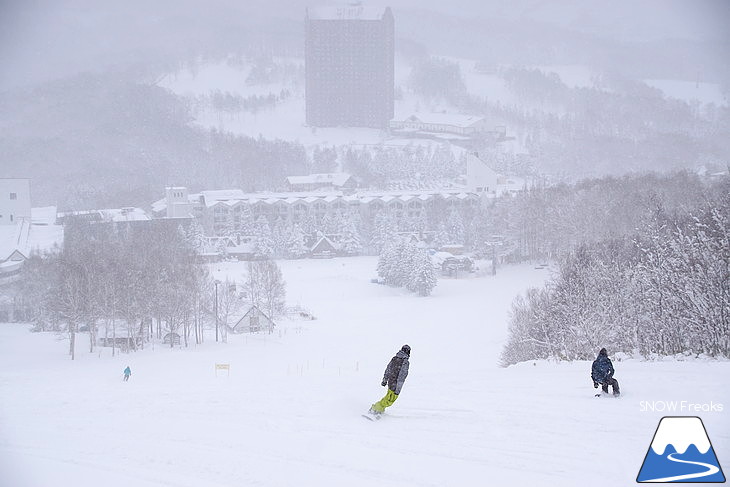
pixel 290 410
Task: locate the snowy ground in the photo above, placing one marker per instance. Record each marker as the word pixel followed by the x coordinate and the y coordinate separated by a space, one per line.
pixel 290 412
pixel 690 91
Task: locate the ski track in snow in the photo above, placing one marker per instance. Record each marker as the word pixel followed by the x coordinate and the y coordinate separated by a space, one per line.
pixel 711 471
pixel 289 414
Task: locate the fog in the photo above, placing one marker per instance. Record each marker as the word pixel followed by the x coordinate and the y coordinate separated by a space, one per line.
pixel 46 40
pixel 287 192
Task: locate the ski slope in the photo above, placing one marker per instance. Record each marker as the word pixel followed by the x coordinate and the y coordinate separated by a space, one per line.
pixel 289 414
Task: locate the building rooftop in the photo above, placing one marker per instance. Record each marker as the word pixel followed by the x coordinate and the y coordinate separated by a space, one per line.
pixel 453 119
pixel 14 237
pixel 334 179
pixel 346 12
pixel 45 215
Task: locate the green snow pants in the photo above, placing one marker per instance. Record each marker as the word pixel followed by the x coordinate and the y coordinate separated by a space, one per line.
pixel 385 402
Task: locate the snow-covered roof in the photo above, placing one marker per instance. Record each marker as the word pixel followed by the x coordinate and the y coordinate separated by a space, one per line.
pixel 346 12
pixel 221 195
pixel 236 196
pixel 14 238
pixel 324 242
pixel 453 119
pixel 129 214
pixel 159 205
pixel 334 179
pixel 45 215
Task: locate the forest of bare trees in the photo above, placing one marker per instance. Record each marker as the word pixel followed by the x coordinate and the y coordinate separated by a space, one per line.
pixel 130 285
pixel 663 289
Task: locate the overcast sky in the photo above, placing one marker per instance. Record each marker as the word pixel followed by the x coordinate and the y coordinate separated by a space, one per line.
pixel 48 39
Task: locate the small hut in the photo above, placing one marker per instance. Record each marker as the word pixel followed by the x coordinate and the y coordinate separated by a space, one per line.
pixel 171 338
pixel 254 321
pixel 324 249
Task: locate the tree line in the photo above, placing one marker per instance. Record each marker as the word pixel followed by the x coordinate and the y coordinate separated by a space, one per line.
pixel 136 283
pixel 403 264
pixel 663 290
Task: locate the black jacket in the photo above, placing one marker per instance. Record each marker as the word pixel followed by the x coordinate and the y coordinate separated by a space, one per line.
pixel 396 372
pixel 602 369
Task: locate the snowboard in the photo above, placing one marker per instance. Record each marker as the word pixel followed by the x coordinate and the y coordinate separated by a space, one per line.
pixel 372 417
pixel 600 394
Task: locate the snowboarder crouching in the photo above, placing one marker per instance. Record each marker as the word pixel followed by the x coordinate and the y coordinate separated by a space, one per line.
pixel 394 377
pixel 127 373
pixel 602 373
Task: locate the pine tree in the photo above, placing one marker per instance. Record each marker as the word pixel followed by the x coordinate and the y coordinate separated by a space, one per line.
pixel 296 243
pixel 247 225
pixel 195 236
pixel 441 237
pixel 455 228
pixel 280 237
pixel 423 277
pixel 350 242
pixel 263 241
pixel 385 231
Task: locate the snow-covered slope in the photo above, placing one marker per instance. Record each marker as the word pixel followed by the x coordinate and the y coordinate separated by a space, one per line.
pixel 289 414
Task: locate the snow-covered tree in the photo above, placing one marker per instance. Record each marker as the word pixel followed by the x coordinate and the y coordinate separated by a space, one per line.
pixel 441 237
pixel 265 288
pixel 423 276
pixel 263 240
pixel 385 231
pixel 296 245
pixel 350 242
pixel 455 228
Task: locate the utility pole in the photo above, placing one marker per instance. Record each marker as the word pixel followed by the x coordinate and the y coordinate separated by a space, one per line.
pixel 216 310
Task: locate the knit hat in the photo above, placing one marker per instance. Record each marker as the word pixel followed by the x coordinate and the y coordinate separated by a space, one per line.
pixel 406 349
pixel 603 352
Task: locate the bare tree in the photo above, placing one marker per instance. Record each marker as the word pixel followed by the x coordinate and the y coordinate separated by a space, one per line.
pixel 265 287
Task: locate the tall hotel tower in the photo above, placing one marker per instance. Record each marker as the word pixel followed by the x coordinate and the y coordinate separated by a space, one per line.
pixel 349 64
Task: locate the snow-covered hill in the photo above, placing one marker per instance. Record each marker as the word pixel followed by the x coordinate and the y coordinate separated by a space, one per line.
pixel 289 414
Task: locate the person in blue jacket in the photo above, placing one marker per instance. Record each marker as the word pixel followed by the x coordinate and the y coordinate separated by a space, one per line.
pixel 127 373
pixel 602 373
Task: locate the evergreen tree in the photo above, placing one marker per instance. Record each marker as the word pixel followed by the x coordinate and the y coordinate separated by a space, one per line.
pixel 263 240
pixel 441 237
pixel 455 228
pixel 296 243
pixel 423 276
pixel 280 237
pixel 247 225
pixel 385 230
pixel 350 243
pixel 195 236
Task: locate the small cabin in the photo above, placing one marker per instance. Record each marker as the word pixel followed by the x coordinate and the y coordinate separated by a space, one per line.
pixel 253 321
pixel 324 249
pixel 171 339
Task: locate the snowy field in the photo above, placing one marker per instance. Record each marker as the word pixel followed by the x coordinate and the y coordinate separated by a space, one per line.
pixel 289 414
pixel 690 91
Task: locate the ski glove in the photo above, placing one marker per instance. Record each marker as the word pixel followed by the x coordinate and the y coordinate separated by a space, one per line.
pixel 384 383
pixel 595 385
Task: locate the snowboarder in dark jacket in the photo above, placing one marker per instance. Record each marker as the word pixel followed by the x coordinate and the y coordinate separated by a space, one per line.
pixel 394 377
pixel 602 373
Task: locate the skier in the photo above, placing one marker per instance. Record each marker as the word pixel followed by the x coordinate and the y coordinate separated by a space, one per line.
pixel 602 373
pixel 127 373
pixel 394 377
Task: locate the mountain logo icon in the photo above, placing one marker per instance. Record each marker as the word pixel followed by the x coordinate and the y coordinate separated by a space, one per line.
pixel 681 452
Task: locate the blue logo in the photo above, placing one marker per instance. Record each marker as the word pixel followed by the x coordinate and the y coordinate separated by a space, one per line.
pixel 681 452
